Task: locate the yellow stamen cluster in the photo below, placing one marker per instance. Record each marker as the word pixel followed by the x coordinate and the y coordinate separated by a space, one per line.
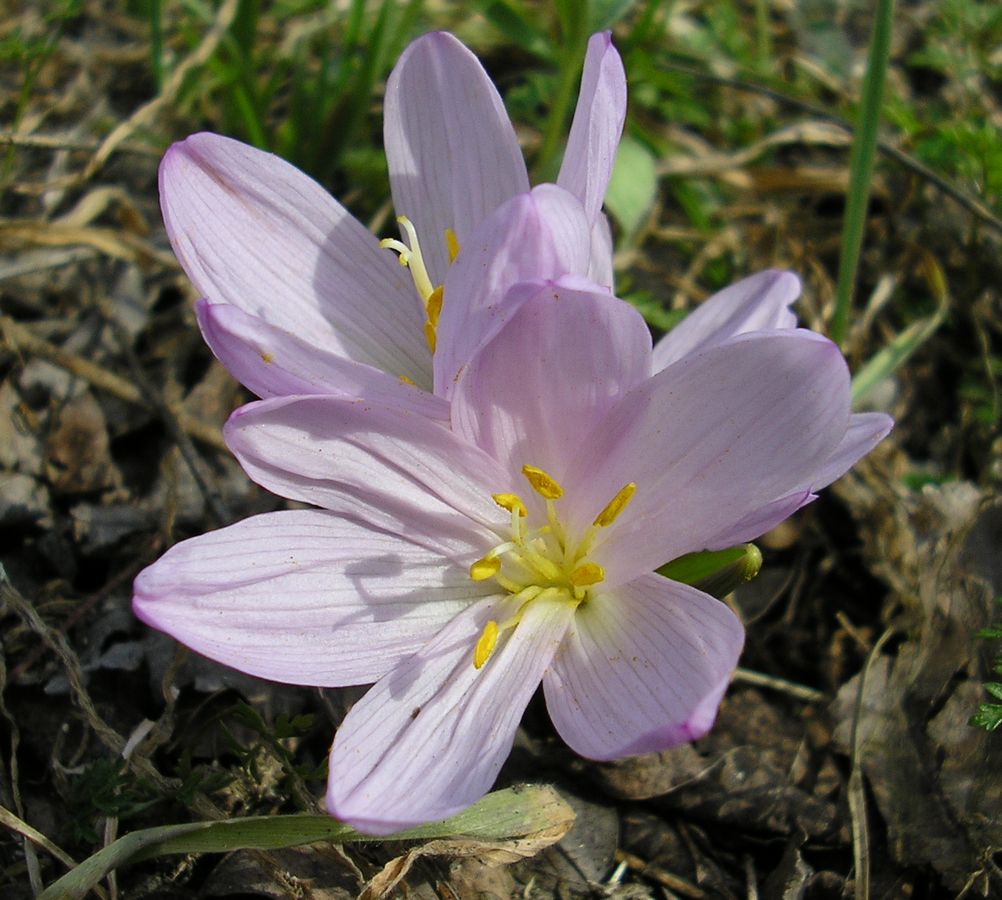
pixel 411 258
pixel 543 562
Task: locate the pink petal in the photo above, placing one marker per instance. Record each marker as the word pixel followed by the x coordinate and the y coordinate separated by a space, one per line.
pixel 550 376
pixel 757 303
pixel 539 235
pixel 381 465
pixel 709 441
pixel 597 126
pixel 271 362
pixel 642 669
pixel 757 522
pixel 451 149
pixel 429 738
pixel 305 596
pixel 251 230
pixel 865 431
pixel 600 269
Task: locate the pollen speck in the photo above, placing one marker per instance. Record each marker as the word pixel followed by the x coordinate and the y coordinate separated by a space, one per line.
pixel 266 357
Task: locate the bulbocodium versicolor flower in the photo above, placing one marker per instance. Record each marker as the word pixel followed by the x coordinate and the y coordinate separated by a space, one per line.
pixel 501 530
pixel 298 297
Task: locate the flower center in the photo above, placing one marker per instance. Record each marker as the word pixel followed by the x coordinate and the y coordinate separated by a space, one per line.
pixel 541 562
pixel 411 258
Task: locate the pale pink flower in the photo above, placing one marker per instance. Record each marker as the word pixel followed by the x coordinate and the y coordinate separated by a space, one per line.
pixel 419 571
pixel 299 298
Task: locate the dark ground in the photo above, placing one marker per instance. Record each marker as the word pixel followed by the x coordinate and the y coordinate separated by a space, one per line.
pixel 842 761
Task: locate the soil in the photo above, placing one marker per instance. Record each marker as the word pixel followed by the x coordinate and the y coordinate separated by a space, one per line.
pixel 842 764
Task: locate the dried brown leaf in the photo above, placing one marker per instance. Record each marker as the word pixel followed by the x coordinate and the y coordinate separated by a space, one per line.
pixel 490 853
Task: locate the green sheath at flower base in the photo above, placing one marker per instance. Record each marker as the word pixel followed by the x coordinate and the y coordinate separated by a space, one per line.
pixel 717 572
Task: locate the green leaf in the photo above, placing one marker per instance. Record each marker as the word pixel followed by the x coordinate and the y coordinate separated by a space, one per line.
pixel 888 359
pixel 604 14
pixel 988 716
pixel 994 688
pixel 864 149
pixel 653 310
pixel 633 186
pixel 512 813
pixel 511 21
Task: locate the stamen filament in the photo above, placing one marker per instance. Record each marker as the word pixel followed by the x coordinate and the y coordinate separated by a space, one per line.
pixel 415 261
pixel 398 247
pixel 555 527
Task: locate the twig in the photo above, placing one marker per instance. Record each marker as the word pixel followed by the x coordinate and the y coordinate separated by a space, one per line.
pixel 79 611
pixel 59 142
pixel 171 420
pixel 56 640
pixel 853 631
pixel 856 790
pixel 20 338
pixel 148 112
pixel 661 876
pixel 973 206
pixel 800 691
pixel 30 857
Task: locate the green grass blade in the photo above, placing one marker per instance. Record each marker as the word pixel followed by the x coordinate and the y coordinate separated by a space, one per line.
pixel 574 17
pixel 511 21
pixel 861 166
pixel 887 360
pixel 511 813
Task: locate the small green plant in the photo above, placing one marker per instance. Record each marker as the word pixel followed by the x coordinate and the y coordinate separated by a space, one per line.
pixel 989 715
pixel 103 789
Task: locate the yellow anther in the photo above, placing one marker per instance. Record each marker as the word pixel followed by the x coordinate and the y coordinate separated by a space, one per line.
pixel 543 484
pixel 452 244
pixel 510 502
pixel 485 645
pixel 616 505
pixel 434 305
pixel 485 568
pixel 407 380
pixel 429 336
pixel 586 574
